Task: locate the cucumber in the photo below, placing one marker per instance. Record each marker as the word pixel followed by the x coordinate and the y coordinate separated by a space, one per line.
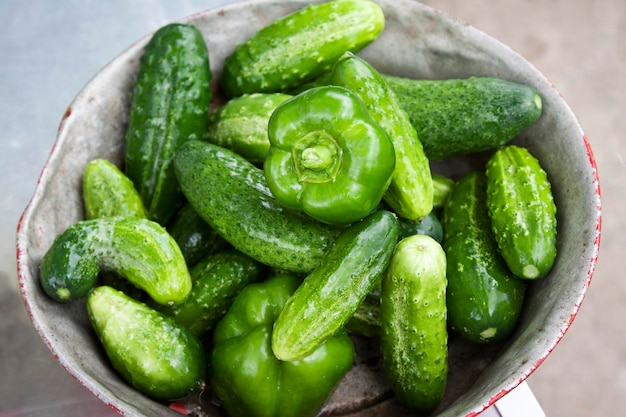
pixel 194 236
pixel 461 116
pixel 300 46
pixel 232 196
pixel 330 295
pixel 522 211
pixel 152 352
pixel 414 334
pixel 410 193
pixel 138 249
pixel 170 105
pixel 429 225
pixel 217 280
pixel 484 298
pixel 108 192
pixel 241 124
pixel 442 187
pixel 366 319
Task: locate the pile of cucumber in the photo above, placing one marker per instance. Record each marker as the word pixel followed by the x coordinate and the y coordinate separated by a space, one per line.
pixel 171 237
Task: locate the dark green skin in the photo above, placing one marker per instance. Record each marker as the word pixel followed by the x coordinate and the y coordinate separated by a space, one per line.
pixel 410 193
pixel 461 116
pixel 414 333
pixel 366 319
pixel 331 294
pixel 300 46
pixel 170 105
pixel 232 196
pixel 138 249
pixel 216 282
pixel 108 192
pixel 246 376
pixel 194 236
pixel 241 124
pixel 152 352
pixel 429 225
pixel 484 298
pixel 522 211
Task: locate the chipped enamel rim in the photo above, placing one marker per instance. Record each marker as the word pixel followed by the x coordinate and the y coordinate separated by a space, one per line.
pixel 467 45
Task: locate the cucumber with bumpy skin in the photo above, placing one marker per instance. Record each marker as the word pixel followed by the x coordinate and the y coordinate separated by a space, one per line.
pixel 300 46
pixel 170 105
pixel 153 353
pixel 461 116
pixel 484 298
pixel 330 295
pixel 522 211
pixel 414 337
pixel 138 249
pixel 231 194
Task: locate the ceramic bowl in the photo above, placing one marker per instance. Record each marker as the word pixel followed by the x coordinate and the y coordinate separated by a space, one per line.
pixel 418 41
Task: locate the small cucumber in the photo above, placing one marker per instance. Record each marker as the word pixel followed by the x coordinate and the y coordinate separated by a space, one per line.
pixel 460 116
pixel 108 192
pixel 522 211
pixel 414 334
pixel 170 105
pixel 366 319
pixel 331 294
pixel 194 236
pixel 300 46
pixel 241 124
pixel 442 187
pixel 217 280
pixel 484 298
pixel 138 249
pixel 152 352
pixel 232 195
pixel 429 225
pixel 410 193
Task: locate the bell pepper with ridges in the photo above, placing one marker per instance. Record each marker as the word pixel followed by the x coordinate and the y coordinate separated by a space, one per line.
pixel 327 156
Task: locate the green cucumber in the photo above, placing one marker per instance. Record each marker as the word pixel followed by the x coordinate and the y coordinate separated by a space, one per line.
pixel 231 195
pixel 217 280
pixel 152 352
pixel 414 334
pixel 300 46
pixel 366 319
pixel 429 225
pixel 170 105
pixel 461 116
pixel 410 193
pixel 138 249
pixel 194 236
pixel 442 187
pixel 330 295
pixel 108 192
pixel 522 211
pixel 484 298
pixel 241 124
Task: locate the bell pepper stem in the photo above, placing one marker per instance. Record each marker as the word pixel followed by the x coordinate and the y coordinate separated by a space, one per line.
pixel 317 157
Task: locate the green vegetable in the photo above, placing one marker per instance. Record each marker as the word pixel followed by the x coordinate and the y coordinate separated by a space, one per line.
pixel 246 376
pixel 522 211
pixel 108 192
pixel 216 282
pixel 331 294
pixel 410 192
pixel 170 105
pixel 232 196
pixel 366 319
pixel 414 339
pixel 300 46
pixel 484 298
pixel 327 156
pixel 429 225
pixel 460 116
pixel 152 352
pixel 442 187
pixel 194 236
pixel 241 124
pixel 138 249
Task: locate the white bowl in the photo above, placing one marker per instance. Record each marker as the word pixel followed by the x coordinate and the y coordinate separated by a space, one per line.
pixel 419 42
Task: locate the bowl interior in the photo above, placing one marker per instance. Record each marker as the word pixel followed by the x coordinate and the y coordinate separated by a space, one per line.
pixel 417 42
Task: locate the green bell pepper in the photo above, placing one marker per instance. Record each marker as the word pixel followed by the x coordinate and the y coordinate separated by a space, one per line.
pixel 327 156
pixel 246 376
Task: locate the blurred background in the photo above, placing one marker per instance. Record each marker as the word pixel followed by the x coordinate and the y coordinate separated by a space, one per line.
pixel 49 50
